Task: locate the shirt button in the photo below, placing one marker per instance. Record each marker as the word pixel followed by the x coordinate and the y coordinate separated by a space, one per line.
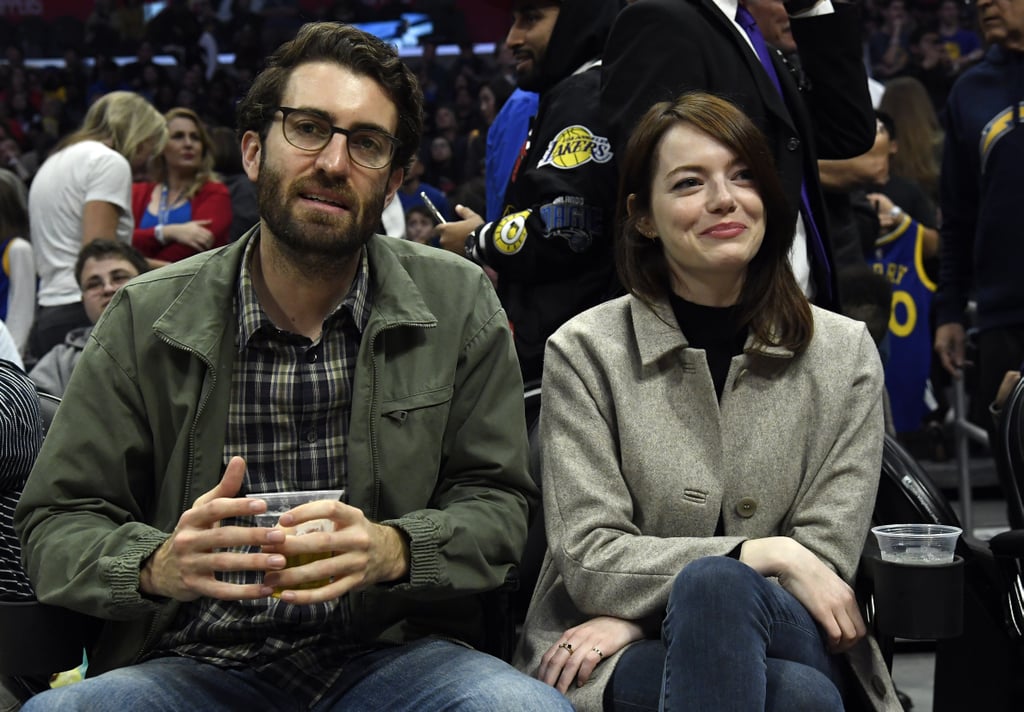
pixel 311 436
pixel 311 356
pixel 746 507
pixel 793 143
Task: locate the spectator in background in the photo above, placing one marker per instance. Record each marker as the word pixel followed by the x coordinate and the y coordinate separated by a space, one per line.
pixel 413 184
pixel 84 191
pixel 439 165
pixel 186 209
pixel 929 64
pixel 17 266
pixel 962 46
pixel 492 96
pixel 446 126
pixel 505 139
pixel 8 349
pixel 889 45
pixel 552 247
pixel 103 267
pixel 175 30
pixel 906 102
pixel 227 162
pixel 982 171
pixel 21 434
pixel 419 225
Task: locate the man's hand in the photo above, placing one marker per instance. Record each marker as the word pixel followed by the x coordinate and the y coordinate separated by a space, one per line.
pixel 184 566
pixel 830 600
pixel 363 553
pixel 950 343
pixel 453 234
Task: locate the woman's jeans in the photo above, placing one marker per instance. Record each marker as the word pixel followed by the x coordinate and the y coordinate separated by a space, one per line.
pixel 731 640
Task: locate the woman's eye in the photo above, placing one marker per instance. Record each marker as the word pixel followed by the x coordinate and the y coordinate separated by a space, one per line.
pixel 686 183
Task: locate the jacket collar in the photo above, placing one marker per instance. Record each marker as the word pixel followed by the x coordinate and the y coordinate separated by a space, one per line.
pixel 195 319
pixel 657 334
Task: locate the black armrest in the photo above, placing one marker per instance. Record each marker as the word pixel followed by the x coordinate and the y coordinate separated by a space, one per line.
pixel 1009 543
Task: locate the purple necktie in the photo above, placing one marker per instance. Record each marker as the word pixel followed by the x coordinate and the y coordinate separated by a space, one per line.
pixel 749 25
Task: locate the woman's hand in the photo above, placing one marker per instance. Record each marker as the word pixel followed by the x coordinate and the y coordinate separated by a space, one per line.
pixel 580 649
pixel 453 234
pixel 829 599
pixel 193 233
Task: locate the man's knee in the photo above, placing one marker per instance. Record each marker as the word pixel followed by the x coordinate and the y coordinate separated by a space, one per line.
pixel 511 691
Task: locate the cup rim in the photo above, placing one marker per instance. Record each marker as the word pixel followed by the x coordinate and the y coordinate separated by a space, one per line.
pixel 905 530
pixel 314 494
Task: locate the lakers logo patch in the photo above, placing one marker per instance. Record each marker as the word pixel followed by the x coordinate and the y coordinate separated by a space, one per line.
pixel 510 232
pixel 574 146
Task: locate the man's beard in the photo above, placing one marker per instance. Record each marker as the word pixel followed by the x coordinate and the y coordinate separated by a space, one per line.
pixel 319 243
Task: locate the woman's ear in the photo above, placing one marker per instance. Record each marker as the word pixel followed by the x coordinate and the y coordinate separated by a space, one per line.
pixel 630 204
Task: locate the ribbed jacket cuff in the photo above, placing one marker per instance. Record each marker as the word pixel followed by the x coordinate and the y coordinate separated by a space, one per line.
pixel 425 568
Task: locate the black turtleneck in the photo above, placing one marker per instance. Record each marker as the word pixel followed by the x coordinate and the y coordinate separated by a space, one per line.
pixel 713 329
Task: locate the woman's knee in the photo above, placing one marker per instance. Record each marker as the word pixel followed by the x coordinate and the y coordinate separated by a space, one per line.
pixel 795 687
pixel 711 576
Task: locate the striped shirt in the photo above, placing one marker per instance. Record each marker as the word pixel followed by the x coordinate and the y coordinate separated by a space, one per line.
pixel 21 433
pixel 291 398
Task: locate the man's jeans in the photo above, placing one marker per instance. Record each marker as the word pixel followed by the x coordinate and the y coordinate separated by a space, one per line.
pixel 731 640
pixel 426 675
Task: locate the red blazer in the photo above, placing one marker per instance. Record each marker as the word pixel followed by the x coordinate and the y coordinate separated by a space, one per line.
pixel 212 202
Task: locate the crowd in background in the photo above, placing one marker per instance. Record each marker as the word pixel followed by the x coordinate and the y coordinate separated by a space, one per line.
pixel 918 48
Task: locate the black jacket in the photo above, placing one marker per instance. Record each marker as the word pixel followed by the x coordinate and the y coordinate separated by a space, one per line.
pixel 552 249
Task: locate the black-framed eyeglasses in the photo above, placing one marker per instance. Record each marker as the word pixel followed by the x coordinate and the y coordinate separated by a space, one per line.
pixel 307 131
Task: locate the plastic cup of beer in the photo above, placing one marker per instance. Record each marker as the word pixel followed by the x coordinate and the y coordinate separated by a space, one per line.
pixel 917 544
pixel 280 502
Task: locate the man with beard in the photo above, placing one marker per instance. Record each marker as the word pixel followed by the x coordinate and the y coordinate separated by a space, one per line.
pixel 311 354
pixel 552 245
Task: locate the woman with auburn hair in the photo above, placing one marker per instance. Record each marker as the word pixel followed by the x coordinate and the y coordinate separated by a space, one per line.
pixel 81 192
pixel 186 209
pixel 920 134
pixel 711 446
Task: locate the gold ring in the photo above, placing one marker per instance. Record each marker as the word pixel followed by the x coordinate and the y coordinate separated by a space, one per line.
pixel 599 653
pixel 567 646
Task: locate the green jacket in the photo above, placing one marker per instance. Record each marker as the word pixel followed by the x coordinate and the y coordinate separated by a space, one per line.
pixel 437 444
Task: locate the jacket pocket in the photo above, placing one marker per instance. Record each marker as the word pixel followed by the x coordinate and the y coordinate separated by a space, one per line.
pixel 398 410
pixel 412 435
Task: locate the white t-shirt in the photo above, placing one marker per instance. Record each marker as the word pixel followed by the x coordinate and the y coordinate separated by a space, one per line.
pixel 81 173
pixel 21 297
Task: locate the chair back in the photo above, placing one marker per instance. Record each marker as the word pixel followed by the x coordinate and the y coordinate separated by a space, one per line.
pixel 37 640
pixel 48 405
pixel 906 493
pixel 1009 455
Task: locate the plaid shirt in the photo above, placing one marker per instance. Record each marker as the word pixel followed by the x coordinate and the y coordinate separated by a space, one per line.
pixel 289 414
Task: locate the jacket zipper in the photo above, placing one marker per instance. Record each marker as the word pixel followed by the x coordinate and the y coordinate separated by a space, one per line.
pixel 151 632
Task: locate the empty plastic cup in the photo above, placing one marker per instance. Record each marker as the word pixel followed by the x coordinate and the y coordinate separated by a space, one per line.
pixel 917 544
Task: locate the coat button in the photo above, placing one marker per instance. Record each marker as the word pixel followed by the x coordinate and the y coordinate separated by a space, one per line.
pixel 746 507
pixel 878 685
pixel 793 143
